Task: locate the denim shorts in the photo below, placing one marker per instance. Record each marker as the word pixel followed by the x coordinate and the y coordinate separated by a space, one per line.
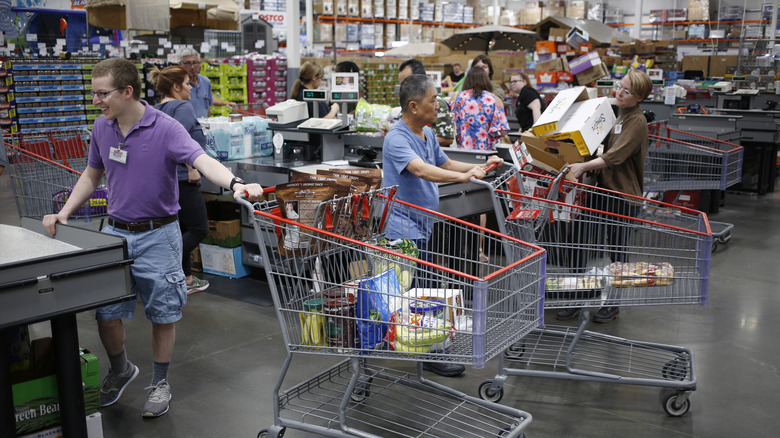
pixel 156 275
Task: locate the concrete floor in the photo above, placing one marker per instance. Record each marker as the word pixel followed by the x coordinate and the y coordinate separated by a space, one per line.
pixel 229 353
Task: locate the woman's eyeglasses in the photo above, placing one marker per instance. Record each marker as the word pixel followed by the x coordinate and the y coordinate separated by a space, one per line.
pixel 619 88
pixel 191 63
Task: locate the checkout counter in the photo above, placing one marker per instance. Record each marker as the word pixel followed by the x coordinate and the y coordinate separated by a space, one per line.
pixel 299 147
pixel 751 119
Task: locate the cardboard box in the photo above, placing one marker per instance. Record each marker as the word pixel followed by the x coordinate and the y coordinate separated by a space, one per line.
pixel 576 9
pixel 546 78
pixel 696 62
pixel 557 34
pixel 557 64
pixel 584 62
pixel 551 155
pixel 37 404
pixel 555 111
pixel 224 224
pixel 586 124
pixel 545 47
pixel 223 261
pixel 592 74
pixel 718 64
pixel 196 264
pixel 94 429
pixel 564 76
pixel 698 10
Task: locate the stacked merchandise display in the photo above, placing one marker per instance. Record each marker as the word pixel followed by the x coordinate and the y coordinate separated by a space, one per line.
pixel 380 81
pixel 267 79
pixel 7 106
pixel 49 94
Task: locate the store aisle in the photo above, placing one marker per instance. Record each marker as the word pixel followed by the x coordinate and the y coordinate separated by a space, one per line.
pixel 228 356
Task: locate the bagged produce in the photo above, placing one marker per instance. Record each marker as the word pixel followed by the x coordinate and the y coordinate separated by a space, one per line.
pixel 371 117
pixel 404 269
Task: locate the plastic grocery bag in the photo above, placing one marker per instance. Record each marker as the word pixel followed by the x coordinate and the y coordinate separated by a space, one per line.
pixel 371 117
pixel 404 268
pixel 372 308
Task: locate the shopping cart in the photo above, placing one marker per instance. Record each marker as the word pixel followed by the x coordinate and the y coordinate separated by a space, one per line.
pixel 678 160
pixel 322 295
pixel 604 249
pixel 251 109
pixel 42 168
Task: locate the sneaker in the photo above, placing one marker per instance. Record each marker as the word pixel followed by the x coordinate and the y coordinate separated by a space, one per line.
pixel 197 285
pixel 115 383
pixel 607 314
pixel 158 400
pixel 444 369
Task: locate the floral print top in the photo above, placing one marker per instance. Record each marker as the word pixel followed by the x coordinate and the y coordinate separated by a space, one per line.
pixel 478 121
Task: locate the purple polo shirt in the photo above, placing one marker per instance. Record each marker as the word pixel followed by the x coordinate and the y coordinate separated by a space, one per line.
pixel 146 186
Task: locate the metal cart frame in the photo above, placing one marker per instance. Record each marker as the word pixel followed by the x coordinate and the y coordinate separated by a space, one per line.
pixel 560 216
pixel 492 305
pixel 42 168
pixel 679 160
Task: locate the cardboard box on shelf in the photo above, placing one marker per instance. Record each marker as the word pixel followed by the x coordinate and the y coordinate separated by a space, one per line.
pixel 36 401
pixel 557 34
pixel 545 47
pixel 719 63
pixel 224 224
pixel 353 8
pixel 225 262
pixel 556 64
pixel 698 10
pixel 532 13
pixel 592 74
pixel 576 9
pixel 696 63
pixel 584 62
pixel 546 78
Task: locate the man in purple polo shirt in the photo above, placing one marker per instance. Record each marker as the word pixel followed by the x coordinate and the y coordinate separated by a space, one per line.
pixel 139 147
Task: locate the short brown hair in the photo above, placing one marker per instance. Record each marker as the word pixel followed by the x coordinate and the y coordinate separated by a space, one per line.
pixel 165 80
pixel 478 81
pixel 485 60
pixel 123 73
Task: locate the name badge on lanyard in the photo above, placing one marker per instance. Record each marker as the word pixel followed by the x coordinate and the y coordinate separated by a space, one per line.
pixel 618 128
pixel 117 154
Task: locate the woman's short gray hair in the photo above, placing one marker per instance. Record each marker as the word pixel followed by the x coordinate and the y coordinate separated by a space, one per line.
pixel 414 89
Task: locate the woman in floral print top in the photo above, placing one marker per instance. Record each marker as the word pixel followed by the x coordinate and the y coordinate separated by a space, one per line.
pixel 480 120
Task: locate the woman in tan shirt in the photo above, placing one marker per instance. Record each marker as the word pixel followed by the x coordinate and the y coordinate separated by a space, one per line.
pixel 620 167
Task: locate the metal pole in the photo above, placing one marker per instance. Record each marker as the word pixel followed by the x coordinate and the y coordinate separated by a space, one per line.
pixel 638 23
pixel 309 27
pixel 293 42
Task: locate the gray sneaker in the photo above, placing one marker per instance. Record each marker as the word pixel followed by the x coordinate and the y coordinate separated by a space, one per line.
pixel 158 399
pixel 197 285
pixel 115 383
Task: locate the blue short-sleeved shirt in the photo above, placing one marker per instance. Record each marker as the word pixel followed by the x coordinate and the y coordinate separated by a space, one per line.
pixel 200 96
pixel 145 186
pixel 400 147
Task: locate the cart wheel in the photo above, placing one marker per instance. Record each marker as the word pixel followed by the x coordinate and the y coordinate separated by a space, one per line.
pixel 362 389
pixel 265 433
pixel 515 351
pixel 486 394
pixel 671 408
pixel 505 431
pixel 714 245
pixel 674 370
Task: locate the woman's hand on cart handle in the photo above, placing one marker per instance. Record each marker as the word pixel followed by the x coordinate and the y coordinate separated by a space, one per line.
pixel 50 222
pixel 252 191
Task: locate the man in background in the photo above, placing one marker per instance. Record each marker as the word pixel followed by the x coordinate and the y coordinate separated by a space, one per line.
pixel 201 95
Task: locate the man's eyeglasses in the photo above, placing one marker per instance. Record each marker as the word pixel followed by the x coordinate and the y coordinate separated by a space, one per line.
pixel 102 94
pixel 619 88
pixel 190 63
